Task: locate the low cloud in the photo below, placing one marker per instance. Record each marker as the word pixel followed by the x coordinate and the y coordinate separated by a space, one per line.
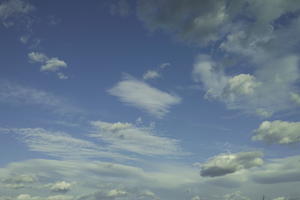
pixel 62 186
pixel 224 164
pixel 278 132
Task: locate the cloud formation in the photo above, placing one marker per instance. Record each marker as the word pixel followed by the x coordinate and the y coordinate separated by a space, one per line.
pixel 145 97
pixel 49 64
pixel 278 132
pixel 224 164
pixel 12 9
pixel 139 140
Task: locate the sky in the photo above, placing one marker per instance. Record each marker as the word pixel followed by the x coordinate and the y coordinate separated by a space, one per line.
pixel 149 100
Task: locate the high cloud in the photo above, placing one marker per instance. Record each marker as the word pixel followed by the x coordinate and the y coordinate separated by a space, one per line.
pixel 223 164
pixel 278 132
pixel 140 140
pixel 16 94
pixel 141 95
pixel 48 64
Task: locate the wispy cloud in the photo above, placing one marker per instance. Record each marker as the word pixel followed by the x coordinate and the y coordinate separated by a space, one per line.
pixel 143 96
pixel 13 93
pixel 139 140
pixel 49 64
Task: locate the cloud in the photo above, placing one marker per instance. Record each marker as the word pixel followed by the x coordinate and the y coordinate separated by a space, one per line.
pixel 139 140
pixel 116 193
pixel 266 92
pixel 49 64
pixel 62 145
pixel 12 9
pixel 164 65
pixel 278 132
pixel 13 93
pixel 121 8
pixel 141 95
pixel 191 21
pixel 151 74
pixel 235 196
pixel 283 170
pixel 223 164
pixel 61 186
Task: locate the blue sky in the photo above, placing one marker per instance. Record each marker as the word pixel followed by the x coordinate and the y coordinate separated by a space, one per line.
pixel 149 99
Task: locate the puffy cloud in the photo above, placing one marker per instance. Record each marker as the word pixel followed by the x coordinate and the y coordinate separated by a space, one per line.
pixel 140 140
pixel 223 164
pixel 141 95
pixel 49 64
pixel 278 132
pixel 61 186
pixel 196 198
pixel 151 74
pixel 10 9
pixel 116 193
pixel 296 98
pixel 266 92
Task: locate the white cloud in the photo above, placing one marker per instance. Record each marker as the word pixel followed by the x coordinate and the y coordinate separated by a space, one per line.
pixel 278 132
pixel 62 186
pixel 164 65
pixel 116 193
pixel 62 145
pixel 140 140
pixel 236 196
pixel 296 98
pixel 49 64
pixel 16 94
pixel 151 74
pixel 223 164
pixel 141 95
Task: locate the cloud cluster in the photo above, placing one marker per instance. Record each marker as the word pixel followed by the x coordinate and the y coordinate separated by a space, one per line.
pixel 252 34
pixel 143 96
pixel 49 64
pixel 223 164
pixel 62 186
pixel 278 132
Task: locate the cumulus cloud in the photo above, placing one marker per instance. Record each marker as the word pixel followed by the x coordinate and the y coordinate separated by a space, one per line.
pixel 264 93
pixel 49 64
pixel 62 186
pixel 223 164
pixel 140 140
pixel 116 193
pixel 248 33
pixel 12 9
pixel 141 95
pixel 278 132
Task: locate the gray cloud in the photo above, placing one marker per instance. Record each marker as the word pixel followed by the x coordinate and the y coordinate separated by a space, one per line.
pixel 223 164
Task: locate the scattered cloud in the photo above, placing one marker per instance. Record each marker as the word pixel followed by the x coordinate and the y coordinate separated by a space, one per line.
pixel 223 164
pixel 151 74
pixel 141 95
pixel 48 64
pixel 278 132
pixel 61 186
